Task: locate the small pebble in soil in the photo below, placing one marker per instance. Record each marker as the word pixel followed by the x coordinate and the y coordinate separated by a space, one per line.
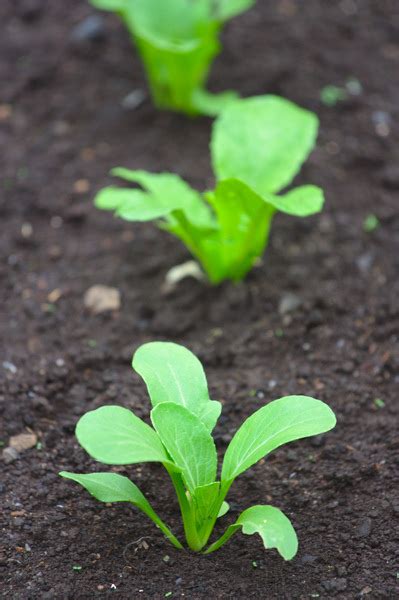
pixel 364 527
pixel 338 584
pixel 9 455
pixel 91 29
pixel 101 298
pixel 23 441
pixel 288 303
pixel 308 559
pixel 134 99
pixel 9 366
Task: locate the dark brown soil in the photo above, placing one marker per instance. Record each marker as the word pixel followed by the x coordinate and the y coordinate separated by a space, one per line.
pixel 62 122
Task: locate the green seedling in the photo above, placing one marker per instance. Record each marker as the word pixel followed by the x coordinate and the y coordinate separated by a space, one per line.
pixel 183 417
pixel 258 146
pixel 177 41
pixel 370 223
pixel 330 95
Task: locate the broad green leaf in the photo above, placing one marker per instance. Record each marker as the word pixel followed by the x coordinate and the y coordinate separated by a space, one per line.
pixel 174 374
pixel 188 442
pixel 115 436
pixel 282 421
pixel 272 525
pixel 301 202
pixel 226 9
pixel 166 192
pixel 111 487
pixel 262 141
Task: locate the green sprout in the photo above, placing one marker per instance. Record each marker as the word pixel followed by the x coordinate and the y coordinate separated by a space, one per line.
pixel 378 403
pixel 370 223
pixel 330 95
pixel 177 41
pixel 183 417
pixel 258 146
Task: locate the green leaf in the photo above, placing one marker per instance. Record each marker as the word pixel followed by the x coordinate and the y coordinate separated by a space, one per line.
pixel 166 192
pixel 112 5
pixel 169 24
pixel 111 487
pixel 115 436
pixel 301 202
pixel 262 141
pixel 131 205
pixel 272 525
pixel 226 9
pixel 188 442
pixel 282 421
pixel 174 374
pixel 224 509
pixel 211 104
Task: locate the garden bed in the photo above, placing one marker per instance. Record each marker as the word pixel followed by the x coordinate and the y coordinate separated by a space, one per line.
pixel 319 316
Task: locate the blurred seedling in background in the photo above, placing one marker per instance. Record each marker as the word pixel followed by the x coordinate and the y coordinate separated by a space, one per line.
pixel 177 41
pixel 258 146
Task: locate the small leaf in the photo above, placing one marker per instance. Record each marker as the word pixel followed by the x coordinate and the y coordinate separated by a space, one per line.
pixel 115 436
pixel 113 5
pixel 262 141
pixel 174 374
pixel 188 442
pixel 109 487
pixel 169 192
pixel 282 421
pixel 301 202
pixel 226 9
pixel 131 205
pixel 212 104
pixel 224 509
pixel 272 525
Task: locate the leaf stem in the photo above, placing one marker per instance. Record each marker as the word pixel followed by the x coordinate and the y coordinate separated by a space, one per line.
pixel 190 530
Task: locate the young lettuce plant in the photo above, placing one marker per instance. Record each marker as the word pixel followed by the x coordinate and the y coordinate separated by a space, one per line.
pixel 258 146
pixel 177 41
pixel 183 417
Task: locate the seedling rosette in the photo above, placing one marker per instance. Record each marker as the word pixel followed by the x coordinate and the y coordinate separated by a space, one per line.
pixel 177 41
pixel 258 146
pixel 183 417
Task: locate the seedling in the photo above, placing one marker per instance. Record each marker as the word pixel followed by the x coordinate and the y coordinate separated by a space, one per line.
pixel 258 146
pixel 177 41
pixel 370 223
pixel 183 417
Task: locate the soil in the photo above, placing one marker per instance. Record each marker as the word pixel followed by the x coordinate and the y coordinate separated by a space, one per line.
pixel 62 127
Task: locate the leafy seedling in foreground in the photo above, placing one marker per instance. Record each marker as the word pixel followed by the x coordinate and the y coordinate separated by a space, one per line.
pixel 183 417
pixel 177 41
pixel 258 146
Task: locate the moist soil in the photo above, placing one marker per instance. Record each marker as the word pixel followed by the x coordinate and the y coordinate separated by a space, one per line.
pixel 63 125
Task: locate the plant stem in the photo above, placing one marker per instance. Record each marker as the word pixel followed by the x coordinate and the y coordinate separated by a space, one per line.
pixel 193 539
pixel 164 528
